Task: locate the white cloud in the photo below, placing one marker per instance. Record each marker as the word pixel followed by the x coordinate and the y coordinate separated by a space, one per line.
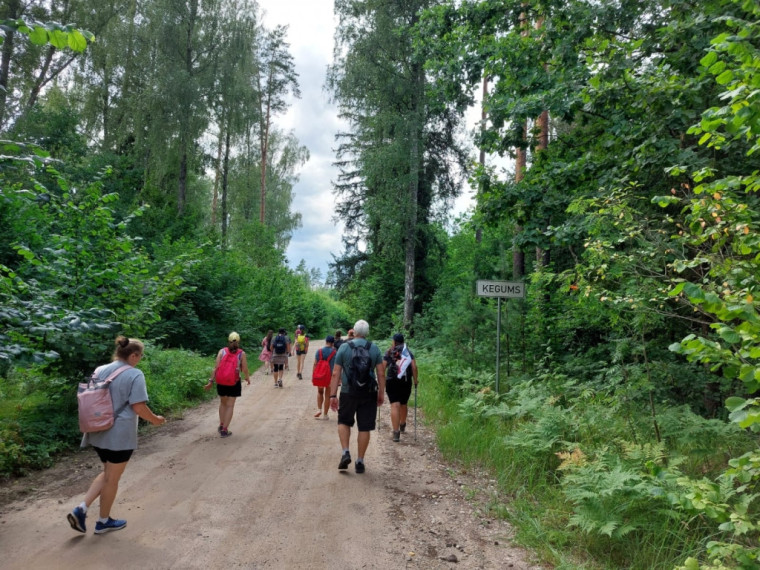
pixel 311 29
pixel 315 123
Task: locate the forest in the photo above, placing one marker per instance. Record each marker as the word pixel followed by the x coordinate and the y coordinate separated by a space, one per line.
pixel 146 189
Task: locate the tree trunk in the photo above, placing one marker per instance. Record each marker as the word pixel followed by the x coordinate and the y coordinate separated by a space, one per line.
pixel 264 143
pixel 542 257
pixel 185 126
pixel 518 255
pixel 413 196
pixel 225 172
pixel 217 175
pixel 483 125
pixel 11 12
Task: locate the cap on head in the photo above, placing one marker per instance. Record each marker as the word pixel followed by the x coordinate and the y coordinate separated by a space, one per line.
pixel 398 338
pixel 329 338
pixel 233 337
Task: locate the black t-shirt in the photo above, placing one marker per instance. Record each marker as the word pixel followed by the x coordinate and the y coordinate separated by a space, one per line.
pixel 391 369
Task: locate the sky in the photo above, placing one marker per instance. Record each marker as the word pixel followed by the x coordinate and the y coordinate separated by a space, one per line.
pixel 311 27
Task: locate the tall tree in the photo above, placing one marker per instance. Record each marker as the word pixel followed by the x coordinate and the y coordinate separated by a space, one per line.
pixel 275 78
pixel 398 157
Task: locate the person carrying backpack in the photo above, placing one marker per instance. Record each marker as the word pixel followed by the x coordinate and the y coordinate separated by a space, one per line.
pixel 266 351
pixel 301 346
pixel 321 374
pixel 230 362
pixel 115 445
pixel 280 351
pixel 360 374
pixel 338 339
pixel 400 372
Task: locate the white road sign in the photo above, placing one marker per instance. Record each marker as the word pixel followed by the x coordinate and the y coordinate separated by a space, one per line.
pixel 503 289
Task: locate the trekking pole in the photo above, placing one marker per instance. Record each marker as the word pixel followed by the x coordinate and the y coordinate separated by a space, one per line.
pixel 415 412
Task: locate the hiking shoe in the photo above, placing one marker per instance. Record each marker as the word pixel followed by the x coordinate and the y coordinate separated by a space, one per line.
pixel 344 461
pixel 220 429
pixel 396 436
pixel 225 433
pixel 279 383
pixel 76 519
pixel 402 427
pixel 109 525
pixel 300 376
pixel 359 466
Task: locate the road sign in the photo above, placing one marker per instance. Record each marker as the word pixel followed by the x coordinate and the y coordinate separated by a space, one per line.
pixel 501 289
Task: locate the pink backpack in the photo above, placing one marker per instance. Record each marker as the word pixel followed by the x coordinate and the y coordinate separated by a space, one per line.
pixel 95 404
pixel 227 372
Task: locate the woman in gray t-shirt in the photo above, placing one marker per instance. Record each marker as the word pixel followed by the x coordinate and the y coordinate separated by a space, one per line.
pixel 116 444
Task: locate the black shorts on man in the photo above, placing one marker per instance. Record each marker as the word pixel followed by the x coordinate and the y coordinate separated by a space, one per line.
pixel 361 406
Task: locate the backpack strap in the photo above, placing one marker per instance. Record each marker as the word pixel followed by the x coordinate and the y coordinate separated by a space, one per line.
pixel 331 355
pixel 111 377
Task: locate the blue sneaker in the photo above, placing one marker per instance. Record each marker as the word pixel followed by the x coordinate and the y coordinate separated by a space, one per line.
pixel 76 519
pixel 109 525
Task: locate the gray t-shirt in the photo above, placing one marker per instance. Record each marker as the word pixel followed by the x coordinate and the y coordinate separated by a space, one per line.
pixel 126 389
pixel 344 359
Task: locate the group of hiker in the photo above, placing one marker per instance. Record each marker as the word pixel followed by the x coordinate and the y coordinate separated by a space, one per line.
pixel 352 377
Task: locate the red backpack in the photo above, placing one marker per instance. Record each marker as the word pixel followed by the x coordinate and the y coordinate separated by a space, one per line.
pixel 227 372
pixel 322 373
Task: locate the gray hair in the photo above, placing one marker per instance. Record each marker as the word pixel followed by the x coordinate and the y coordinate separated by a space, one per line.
pixel 361 328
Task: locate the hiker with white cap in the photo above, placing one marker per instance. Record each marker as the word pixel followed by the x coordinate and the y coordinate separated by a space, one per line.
pixel 230 362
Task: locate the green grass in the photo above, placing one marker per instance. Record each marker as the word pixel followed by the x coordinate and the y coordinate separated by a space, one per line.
pixel 530 494
pixel 38 414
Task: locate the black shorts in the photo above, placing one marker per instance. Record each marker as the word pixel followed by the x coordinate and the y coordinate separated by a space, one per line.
pixel 277 367
pixel 233 391
pixel 398 391
pixel 363 407
pixel 300 352
pixel 111 456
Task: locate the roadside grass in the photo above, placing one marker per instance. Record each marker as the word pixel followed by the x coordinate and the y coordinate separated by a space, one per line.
pixel 38 414
pixel 531 494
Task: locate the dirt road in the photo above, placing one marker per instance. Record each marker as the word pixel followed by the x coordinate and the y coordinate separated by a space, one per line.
pixel 270 496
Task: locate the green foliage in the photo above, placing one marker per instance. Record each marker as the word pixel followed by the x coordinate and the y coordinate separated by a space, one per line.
pixel 567 454
pixel 103 279
pixel 175 379
pixel 38 416
pixel 57 35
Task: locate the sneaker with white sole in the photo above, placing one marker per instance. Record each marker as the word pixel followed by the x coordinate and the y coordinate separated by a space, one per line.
pixel 77 518
pixel 109 525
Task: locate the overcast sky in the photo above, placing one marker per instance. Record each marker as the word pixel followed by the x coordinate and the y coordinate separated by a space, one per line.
pixel 315 123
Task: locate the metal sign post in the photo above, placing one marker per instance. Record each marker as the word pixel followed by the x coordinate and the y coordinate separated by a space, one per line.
pixel 500 290
pixel 498 340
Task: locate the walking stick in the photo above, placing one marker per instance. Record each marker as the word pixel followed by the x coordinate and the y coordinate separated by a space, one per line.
pixel 415 412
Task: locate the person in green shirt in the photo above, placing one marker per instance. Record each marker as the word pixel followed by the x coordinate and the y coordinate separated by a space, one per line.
pixel 357 404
